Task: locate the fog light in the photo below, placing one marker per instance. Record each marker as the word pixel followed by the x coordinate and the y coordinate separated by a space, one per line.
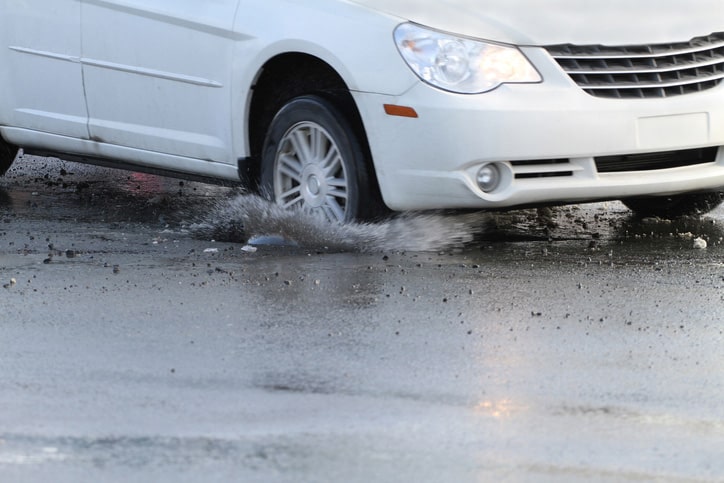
pixel 489 178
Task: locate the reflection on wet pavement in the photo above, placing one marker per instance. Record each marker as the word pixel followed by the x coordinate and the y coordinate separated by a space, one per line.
pixel 563 343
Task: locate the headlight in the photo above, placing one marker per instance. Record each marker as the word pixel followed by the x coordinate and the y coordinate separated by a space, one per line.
pixel 459 64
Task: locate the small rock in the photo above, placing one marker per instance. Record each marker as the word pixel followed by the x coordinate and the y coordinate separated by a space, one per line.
pixel 700 243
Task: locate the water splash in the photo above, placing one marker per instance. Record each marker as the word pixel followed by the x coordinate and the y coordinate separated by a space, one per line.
pixel 244 217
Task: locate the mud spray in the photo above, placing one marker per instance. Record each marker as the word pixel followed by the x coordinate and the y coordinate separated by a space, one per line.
pixel 245 217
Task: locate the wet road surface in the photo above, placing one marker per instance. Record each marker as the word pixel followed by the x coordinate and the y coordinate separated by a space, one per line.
pixel 565 344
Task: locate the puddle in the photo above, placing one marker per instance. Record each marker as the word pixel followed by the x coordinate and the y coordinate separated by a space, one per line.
pixel 51 191
pixel 254 220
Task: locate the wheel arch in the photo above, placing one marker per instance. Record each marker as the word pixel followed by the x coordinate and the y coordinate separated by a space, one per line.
pixel 285 77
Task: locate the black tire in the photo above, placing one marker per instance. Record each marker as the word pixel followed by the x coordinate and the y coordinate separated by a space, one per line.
pixel 7 156
pixel 690 204
pixel 313 160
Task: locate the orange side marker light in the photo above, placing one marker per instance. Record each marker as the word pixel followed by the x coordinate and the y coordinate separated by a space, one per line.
pixel 402 111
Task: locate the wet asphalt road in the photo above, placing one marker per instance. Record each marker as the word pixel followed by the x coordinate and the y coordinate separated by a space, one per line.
pixel 572 344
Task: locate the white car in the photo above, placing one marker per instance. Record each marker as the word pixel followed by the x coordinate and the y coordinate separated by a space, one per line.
pixel 348 107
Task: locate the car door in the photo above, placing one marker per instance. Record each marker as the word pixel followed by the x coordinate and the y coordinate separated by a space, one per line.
pixel 157 75
pixel 41 84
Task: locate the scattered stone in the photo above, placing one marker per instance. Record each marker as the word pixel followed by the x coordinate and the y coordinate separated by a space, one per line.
pixel 700 243
pixel 211 250
pixel 655 220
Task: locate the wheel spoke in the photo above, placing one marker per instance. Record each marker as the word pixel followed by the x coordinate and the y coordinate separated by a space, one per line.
pixel 319 143
pixel 300 140
pixel 338 188
pixel 337 182
pixel 294 194
pixel 297 201
pixel 333 210
pixel 338 194
pixel 308 209
pixel 332 161
pixel 290 166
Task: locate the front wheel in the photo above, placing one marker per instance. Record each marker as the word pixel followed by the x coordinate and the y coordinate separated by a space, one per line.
pixel 690 204
pixel 314 161
pixel 7 156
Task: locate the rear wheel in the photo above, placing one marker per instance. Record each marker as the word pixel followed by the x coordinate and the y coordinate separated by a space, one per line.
pixel 313 161
pixel 690 204
pixel 7 156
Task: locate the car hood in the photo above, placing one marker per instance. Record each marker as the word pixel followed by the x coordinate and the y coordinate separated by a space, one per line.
pixel 547 22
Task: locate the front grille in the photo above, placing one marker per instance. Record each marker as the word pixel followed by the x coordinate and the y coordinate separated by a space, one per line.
pixel 651 161
pixel 644 71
